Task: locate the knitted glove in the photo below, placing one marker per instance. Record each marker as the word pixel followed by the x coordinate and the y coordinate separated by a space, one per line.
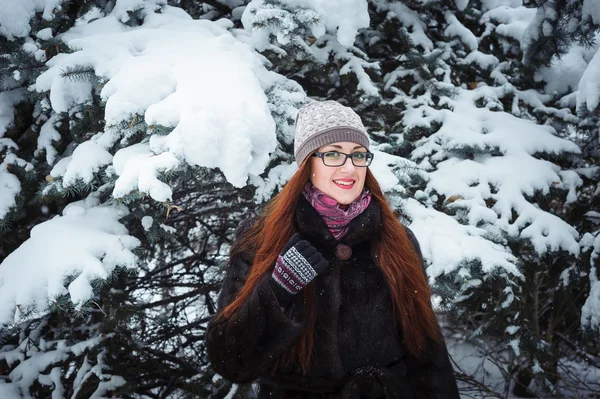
pixel 298 264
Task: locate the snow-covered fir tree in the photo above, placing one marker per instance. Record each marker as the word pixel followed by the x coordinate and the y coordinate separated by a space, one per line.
pixel 570 74
pixel 455 88
pixel 136 134
pixel 113 290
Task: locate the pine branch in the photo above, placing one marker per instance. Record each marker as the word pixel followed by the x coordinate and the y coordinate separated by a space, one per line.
pixel 215 4
pixel 79 73
pixel 199 291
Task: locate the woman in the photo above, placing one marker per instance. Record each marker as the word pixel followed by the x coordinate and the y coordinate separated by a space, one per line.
pixel 325 294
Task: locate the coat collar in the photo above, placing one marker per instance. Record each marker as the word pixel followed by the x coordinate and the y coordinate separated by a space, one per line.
pixel 312 226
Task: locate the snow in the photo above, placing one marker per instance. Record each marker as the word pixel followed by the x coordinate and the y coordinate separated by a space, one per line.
pixel 490 4
pixel 147 222
pixel 138 167
pixel 278 176
pixel 8 390
pixel 64 93
pixel 589 85
pixel 531 32
pixel 410 19
pixel 81 375
pixel 60 168
pixel 565 74
pixel 446 244
pixel 124 99
pixel 168 229
pixel 8 99
pixel 485 61
pixel 85 162
pixel 457 29
pixel 487 364
pixel 515 345
pixel 124 8
pixel 512 20
pixel 87 241
pixel 472 181
pixel 108 385
pixel 236 143
pixel 7 144
pixel 324 48
pixel 48 134
pixel 15 15
pixel 156 72
pixel 92 14
pixel 365 84
pixel 10 187
pixel 590 312
pixel 502 130
pixel 591 10
pixel 347 16
pixel 381 167
pixel 461 4
pixel 570 180
pixel 14 18
pixel 44 34
pixel 37 363
pixel 232 391
pixel 342 17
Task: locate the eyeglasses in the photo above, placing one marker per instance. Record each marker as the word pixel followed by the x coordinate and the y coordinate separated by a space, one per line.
pixel 335 158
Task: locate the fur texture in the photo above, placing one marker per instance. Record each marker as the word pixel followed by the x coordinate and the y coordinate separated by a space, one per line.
pixel 359 353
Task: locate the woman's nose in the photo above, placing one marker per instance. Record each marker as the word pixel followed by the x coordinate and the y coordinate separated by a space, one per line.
pixel 348 166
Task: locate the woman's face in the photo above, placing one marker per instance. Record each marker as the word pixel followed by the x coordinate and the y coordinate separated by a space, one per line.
pixel 342 183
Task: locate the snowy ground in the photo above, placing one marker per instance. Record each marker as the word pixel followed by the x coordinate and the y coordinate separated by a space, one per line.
pixel 578 379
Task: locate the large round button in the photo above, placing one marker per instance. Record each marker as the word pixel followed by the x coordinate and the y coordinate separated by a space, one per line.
pixel 343 252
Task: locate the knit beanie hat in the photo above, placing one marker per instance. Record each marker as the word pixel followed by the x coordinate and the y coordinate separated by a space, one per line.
pixel 324 122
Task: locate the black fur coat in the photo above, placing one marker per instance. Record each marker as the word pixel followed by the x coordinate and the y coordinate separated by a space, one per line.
pixel 358 351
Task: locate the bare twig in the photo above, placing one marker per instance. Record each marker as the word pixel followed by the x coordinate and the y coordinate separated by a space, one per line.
pixel 587 357
pixel 472 382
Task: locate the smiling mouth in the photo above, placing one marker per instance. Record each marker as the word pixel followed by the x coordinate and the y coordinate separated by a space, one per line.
pixel 344 184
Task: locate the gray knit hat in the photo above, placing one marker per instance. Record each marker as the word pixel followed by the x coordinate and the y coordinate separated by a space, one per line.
pixel 324 122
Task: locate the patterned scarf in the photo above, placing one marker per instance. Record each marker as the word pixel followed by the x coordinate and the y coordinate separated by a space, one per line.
pixel 336 216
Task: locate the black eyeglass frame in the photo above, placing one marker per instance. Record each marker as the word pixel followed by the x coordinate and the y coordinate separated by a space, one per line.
pixel 369 158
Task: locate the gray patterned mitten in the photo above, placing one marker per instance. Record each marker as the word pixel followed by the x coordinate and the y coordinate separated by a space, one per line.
pixel 298 264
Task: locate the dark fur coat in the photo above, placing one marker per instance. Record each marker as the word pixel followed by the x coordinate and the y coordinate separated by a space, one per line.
pixel 358 351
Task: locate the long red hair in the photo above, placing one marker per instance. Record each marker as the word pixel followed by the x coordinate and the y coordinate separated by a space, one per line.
pixel 392 252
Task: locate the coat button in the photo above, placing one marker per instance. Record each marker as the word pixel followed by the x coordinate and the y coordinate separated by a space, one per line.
pixel 343 252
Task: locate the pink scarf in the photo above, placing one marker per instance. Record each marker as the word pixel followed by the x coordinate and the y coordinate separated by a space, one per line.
pixel 336 216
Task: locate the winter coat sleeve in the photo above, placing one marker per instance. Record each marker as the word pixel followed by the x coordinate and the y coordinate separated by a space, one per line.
pixel 243 346
pixel 432 376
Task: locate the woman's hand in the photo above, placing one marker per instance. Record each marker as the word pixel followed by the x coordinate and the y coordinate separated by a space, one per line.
pixel 298 264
